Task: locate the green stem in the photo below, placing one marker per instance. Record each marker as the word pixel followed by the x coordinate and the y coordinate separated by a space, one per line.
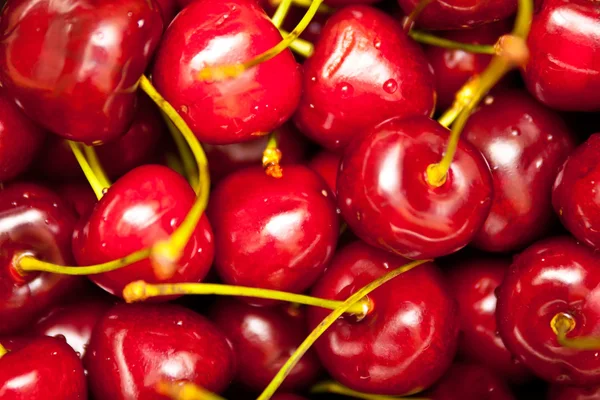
pixel 428 38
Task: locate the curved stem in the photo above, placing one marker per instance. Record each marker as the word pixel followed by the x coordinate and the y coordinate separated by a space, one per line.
pixel 190 170
pixel 96 166
pixel 30 264
pixel 231 71
pixel 300 46
pixel 428 38
pixel 409 21
pixel 327 322
pixel 562 324
pixel 141 290
pixel 272 157
pixel 281 12
pixel 185 391
pixel 338 388
pixel 3 350
pixel 93 180
pixel 323 8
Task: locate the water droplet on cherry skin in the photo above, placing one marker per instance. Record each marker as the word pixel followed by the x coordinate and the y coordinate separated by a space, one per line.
pixel 345 89
pixel 390 86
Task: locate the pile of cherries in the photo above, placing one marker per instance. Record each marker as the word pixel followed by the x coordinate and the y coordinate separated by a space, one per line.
pixel 428 170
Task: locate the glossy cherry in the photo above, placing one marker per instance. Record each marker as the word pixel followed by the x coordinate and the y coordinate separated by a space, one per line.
pixel 144 206
pixel 556 275
pixel 263 339
pixel 327 164
pixel 564 64
pixel 562 392
pixel 343 97
pixel 575 198
pixel 473 281
pixel 385 197
pixel 136 346
pixel 39 369
pixel 275 233
pixel 79 196
pixel 73 66
pixel 408 339
pixel 214 33
pixel 525 144
pixel 33 220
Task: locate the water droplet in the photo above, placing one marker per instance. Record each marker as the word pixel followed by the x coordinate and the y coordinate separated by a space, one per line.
pixel 14 203
pixel 549 138
pixel 488 100
pixel 140 23
pixel 345 89
pixel 179 323
pixel 390 86
pixel 515 132
pixel 311 106
pixel 103 245
pixel 528 118
pixel 313 79
pixel 130 14
pixel 78 354
pixel 61 337
pixel 184 109
pixel 377 43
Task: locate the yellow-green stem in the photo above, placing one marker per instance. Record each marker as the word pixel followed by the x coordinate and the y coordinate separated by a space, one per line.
pixel 281 12
pixel 188 163
pixel 338 388
pixel 562 324
pixel 300 46
pixel 428 38
pixel 323 8
pixel 272 157
pixel 93 180
pixel 3 350
pixel 326 323
pixel 96 166
pixel 185 391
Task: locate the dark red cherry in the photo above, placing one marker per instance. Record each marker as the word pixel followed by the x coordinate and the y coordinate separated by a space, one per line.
pixel 525 144
pixel 274 233
pixel 73 65
pixel 168 9
pixel 384 195
pixel 39 369
pixel 263 339
pixel 34 221
pixel 470 381
pixel 79 196
pixel 473 280
pixel 408 339
pixel 327 164
pixel 553 276
pixel 575 198
pixel 20 140
pixel 145 206
pixel 562 392
pixel 459 14
pixel 136 346
pixel 564 64
pixel 214 33
pixel 364 70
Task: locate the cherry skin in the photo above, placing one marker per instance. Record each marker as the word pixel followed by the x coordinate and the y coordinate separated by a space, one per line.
pixel 79 196
pixel 342 96
pixel 564 64
pixel 525 144
pixel 384 195
pixel 274 233
pixel 414 317
pixel 39 369
pixel 80 86
pixel 556 275
pixel 574 195
pixel 473 280
pixel 143 207
pixel 327 164
pixel 33 220
pixel 234 110
pixel 168 9
pixel 136 346
pixel 562 392
pixel 263 339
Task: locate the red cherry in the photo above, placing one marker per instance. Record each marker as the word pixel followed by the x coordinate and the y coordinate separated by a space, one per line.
pixel 384 195
pixel 473 281
pixel 39 369
pixel 327 164
pixel 525 145
pixel 564 64
pixel 551 277
pixel 144 206
pixel 136 346
pixel 234 110
pixel 365 69
pixel 274 233
pixel 168 9
pixel 33 220
pixel 263 339
pixel 562 392
pixel 574 196
pixel 405 343
pixel 79 196
pixel 72 65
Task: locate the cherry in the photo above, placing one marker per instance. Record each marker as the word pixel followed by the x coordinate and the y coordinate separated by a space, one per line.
pixel 574 195
pixel 562 392
pixel 33 220
pixel 79 196
pixel 470 381
pixel 551 283
pixel 168 9
pixel 234 110
pixel 525 145
pixel 327 164
pixel 563 70
pixel 263 339
pixel 39 369
pixel 343 97
pixel 136 346
pixel 274 233
pixel 72 66
pixel 408 339
pixel 385 196
pixel 144 206
pixel 473 280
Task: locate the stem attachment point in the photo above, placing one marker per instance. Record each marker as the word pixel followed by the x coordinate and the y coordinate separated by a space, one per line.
pixel 513 48
pixel 3 350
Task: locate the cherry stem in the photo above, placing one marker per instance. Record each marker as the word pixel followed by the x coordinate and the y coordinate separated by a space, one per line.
pixel 140 290
pixel 323 8
pixel 469 96
pixel 166 253
pixel 300 46
pixel 428 38
pixel 409 21
pixel 327 322
pixel 562 324
pixel 185 391
pixel 338 388
pixel 91 177
pixel 272 157
pixel 3 350
pixel 96 166
pixel 281 12
pixel 231 71
pixel 188 163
